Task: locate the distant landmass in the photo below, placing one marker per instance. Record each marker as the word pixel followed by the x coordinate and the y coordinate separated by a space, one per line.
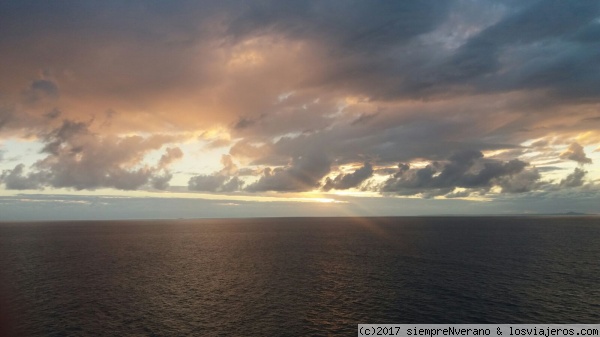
pixel 569 213
pixel 572 213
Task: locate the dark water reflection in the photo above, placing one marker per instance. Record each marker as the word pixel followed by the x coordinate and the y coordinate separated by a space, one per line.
pixel 281 277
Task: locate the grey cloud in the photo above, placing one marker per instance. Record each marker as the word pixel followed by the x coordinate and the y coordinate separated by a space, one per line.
pixel 171 154
pixel 382 23
pixel 346 181
pixel 303 174
pixel 161 182
pixel 351 33
pixel 569 69
pixel 532 47
pixel 41 89
pixel 458 194
pixel 376 50
pixel 548 168
pixel 246 122
pixel 15 179
pixel 6 116
pixel 45 86
pixel 369 48
pixel 77 158
pixel 385 171
pixel 574 179
pixel 243 123
pixel 390 140
pixel 225 180
pixel 364 118
pixel 53 114
pixel 229 167
pixel 59 136
pixel 215 183
pixel 232 185
pixel 208 183
pixel 524 181
pixel 145 19
pixel 385 53
pixel 466 169
pixel 575 152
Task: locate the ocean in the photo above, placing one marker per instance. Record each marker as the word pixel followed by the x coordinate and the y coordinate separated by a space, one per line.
pixel 294 276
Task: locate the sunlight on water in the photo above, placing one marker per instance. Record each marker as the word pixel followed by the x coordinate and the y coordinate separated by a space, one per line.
pixel 295 276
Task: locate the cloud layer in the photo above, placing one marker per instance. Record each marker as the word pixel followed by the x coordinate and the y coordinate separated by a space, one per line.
pixel 427 98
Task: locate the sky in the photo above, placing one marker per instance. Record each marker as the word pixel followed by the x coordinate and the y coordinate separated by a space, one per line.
pixel 177 109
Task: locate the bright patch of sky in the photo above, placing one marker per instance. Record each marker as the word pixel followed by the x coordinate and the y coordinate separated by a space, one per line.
pixel 15 151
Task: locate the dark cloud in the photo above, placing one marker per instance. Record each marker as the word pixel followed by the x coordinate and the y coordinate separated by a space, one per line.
pixel 77 158
pixel 295 86
pixel 226 180
pixel 459 194
pixel 382 50
pixel 6 116
pixel 346 181
pixel 245 122
pixel 215 183
pixel 208 183
pixel 574 179
pixel 15 179
pixel 161 182
pixel 524 181
pixel 53 114
pixel 466 169
pixel 575 152
pixel 382 24
pixel 232 185
pixel 388 139
pixel 364 118
pixel 303 174
pixel 531 29
pixel 41 89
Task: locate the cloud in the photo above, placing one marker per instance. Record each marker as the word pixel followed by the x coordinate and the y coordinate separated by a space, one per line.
pixel 303 174
pixel 229 167
pixel 575 152
pixel 346 181
pixel 323 53
pixel 290 88
pixel 364 118
pixel 574 179
pixel 161 182
pixel 41 89
pixel 53 114
pixel 215 183
pixel 77 158
pixel 497 57
pixel 16 122
pixel 524 181
pixel 5 116
pixel 16 180
pixel 467 169
pixel 225 180
pixel 171 154
pixel 209 183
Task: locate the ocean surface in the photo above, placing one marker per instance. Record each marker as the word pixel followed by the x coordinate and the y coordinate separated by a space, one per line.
pixel 295 276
